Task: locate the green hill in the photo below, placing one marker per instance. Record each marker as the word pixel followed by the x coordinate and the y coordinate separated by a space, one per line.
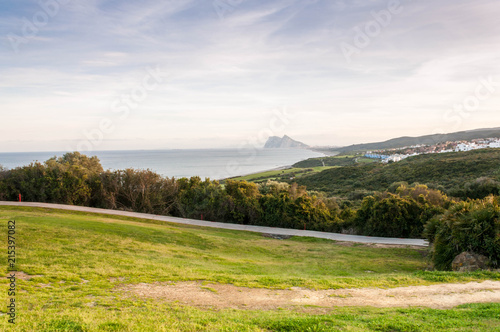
pixel 426 140
pixel 447 171
pixel 77 270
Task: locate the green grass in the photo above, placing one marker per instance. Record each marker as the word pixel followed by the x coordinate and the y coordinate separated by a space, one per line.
pixel 281 174
pixel 81 258
pixel 338 160
pixel 364 160
pixel 306 168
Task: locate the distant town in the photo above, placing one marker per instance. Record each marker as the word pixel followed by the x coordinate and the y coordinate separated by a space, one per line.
pixel 395 155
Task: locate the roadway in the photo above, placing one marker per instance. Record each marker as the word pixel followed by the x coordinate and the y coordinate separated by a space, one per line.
pixel 238 227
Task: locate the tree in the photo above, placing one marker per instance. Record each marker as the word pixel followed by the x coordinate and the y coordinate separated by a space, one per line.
pixel 3 186
pixel 142 191
pixel 277 210
pixel 206 198
pixel 31 181
pixel 387 214
pixel 77 161
pixel 244 200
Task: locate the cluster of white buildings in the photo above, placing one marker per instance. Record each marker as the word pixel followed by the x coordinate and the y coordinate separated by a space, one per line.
pixel 482 144
pixel 459 146
pixel 386 158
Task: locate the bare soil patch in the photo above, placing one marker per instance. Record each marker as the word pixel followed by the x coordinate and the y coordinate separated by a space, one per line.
pixel 222 296
pixel 276 236
pixel 24 276
pixel 379 245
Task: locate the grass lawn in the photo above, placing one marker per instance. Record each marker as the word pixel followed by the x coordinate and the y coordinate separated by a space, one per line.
pixel 364 160
pixel 78 260
pixel 338 160
pixel 277 174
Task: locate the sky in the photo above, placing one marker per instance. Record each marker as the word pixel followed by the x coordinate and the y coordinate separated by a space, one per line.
pixel 110 75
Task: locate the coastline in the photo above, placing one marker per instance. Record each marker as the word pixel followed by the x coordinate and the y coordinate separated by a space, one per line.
pixel 280 168
pixel 326 152
pixel 206 163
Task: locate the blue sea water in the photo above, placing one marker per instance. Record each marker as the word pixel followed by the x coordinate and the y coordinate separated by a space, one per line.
pixel 211 163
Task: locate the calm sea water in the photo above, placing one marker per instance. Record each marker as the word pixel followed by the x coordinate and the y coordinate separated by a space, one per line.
pixel 213 163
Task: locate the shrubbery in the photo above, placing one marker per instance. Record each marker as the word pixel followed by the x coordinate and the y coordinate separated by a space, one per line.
pixel 79 180
pixel 472 174
pixel 467 226
pixel 477 189
pixel 403 214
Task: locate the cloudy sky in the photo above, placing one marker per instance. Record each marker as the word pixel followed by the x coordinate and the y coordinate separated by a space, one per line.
pixel 100 74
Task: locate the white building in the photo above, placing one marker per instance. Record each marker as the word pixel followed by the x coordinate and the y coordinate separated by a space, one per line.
pixel 395 158
pixel 464 147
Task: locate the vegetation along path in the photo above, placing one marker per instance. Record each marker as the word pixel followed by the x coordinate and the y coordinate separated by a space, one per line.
pixel 250 228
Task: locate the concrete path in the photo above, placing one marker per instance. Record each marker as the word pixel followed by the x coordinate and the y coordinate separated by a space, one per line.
pixel 249 228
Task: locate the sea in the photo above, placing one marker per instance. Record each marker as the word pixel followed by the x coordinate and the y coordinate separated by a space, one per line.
pixel 206 163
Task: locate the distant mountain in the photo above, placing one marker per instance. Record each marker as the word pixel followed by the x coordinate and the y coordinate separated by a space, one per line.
pixel 285 142
pixel 426 140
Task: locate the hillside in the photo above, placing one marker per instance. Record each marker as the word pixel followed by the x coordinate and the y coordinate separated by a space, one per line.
pixel 426 140
pixel 87 272
pixel 448 171
pixel 340 160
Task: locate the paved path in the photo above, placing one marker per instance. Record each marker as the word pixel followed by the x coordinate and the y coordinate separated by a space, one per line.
pixel 249 228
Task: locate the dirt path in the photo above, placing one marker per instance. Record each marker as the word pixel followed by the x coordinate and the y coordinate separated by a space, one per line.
pixel 228 296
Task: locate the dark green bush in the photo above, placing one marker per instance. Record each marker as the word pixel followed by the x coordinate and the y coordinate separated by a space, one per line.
pixel 467 226
pixel 399 215
pixel 477 189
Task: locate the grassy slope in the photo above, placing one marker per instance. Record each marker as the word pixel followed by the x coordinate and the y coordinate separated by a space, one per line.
pixel 306 168
pixel 447 170
pixel 281 174
pixel 340 160
pixel 78 255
